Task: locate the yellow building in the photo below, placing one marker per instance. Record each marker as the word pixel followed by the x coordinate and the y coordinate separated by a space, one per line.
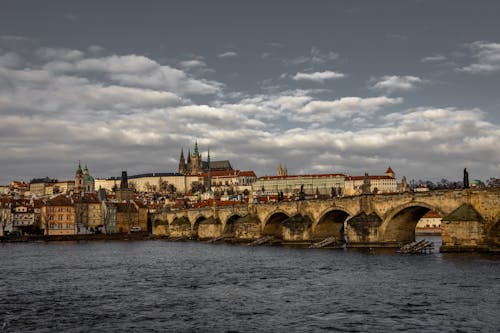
pixel 313 184
pixel 88 212
pixel 58 216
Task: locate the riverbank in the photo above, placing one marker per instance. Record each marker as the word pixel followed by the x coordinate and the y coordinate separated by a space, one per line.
pixel 138 236
pixel 88 237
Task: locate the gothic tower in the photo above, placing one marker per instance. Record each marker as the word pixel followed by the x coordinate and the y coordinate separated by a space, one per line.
pixel 182 163
pixel 195 166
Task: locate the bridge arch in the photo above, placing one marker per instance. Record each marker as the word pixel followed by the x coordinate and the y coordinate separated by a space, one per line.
pixel 196 225
pixel 399 223
pixel 230 226
pixel 331 223
pixel 273 223
pixel 493 234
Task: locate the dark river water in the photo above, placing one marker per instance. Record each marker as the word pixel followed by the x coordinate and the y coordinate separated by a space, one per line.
pixel 158 286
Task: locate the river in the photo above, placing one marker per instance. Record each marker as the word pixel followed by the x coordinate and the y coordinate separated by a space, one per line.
pixel 161 286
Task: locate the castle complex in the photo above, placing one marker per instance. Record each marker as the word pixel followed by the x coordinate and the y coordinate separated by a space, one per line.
pixel 195 165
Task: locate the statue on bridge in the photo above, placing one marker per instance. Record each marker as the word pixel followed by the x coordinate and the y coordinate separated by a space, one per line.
pixel 466 179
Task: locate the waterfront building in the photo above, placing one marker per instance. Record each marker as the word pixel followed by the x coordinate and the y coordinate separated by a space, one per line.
pixel 430 223
pixel 109 217
pixel 130 215
pixel 58 216
pixel 385 183
pixel 88 212
pixel 24 215
pixel 5 215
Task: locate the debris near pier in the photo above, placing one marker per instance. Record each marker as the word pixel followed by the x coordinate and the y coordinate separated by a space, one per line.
pixel 325 242
pixel 216 239
pixel 263 240
pixel 420 247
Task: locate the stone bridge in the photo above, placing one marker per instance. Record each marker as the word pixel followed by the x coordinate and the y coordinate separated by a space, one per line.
pixel 470 219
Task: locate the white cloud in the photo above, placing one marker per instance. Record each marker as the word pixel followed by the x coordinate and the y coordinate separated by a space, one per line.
pixel 345 107
pixel 228 54
pixel 131 70
pixel 393 83
pixel 318 76
pixel 487 56
pixel 194 63
pixel 435 58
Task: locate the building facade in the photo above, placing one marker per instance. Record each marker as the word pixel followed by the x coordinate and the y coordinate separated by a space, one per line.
pixel 58 216
pixel 385 183
pixel 311 185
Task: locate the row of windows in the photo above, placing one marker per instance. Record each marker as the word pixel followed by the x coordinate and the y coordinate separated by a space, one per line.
pixel 59 209
pixel 65 226
pixel 60 217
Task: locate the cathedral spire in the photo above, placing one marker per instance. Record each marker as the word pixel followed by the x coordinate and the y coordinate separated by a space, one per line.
pixel 208 158
pixel 196 152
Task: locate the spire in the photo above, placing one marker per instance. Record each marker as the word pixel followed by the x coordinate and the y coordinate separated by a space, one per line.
pixel 79 170
pixel 208 158
pixel 280 170
pixel 285 171
pixel 196 153
pixel 182 153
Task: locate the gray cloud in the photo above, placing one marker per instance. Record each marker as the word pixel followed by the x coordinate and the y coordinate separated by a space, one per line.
pixel 487 57
pixel 228 54
pixel 315 57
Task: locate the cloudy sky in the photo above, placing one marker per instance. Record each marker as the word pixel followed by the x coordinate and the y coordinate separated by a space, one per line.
pixel 323 86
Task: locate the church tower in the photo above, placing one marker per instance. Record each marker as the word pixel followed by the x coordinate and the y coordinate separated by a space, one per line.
pixel 195 165
pixel 79 186
pixel 182 163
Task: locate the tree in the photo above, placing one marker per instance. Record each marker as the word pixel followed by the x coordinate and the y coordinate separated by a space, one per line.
pixel 197 187
pixel 493 182
pixel 162 185
pixel 171 188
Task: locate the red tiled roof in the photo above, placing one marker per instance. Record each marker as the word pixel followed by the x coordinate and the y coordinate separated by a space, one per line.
pixel 60 200
pixel 431 215
pixel 229 173
pixel 389 170
pixel 369 177
pixel 324 175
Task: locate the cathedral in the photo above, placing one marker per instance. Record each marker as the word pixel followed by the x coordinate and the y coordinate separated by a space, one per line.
pixel 194 165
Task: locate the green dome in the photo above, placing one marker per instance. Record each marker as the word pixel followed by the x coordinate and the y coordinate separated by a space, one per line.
pixel 88 178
